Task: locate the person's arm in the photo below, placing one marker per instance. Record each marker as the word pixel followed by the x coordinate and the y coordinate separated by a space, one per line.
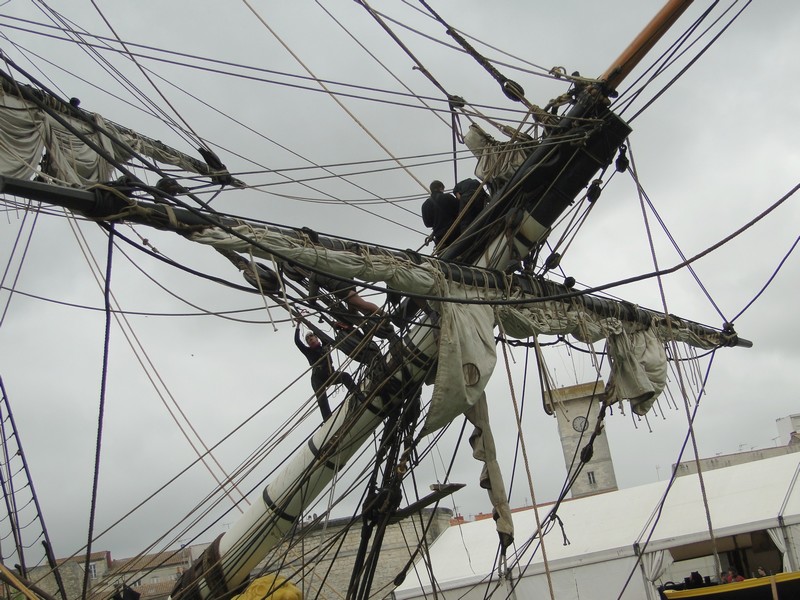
pixel 427 214
pixel 297 341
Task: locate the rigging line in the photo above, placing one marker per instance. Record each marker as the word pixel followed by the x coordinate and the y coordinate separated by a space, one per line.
pixel 419 66
pixel 198 139
pixel 171 262
pixel 521 439
pixel 655 516
pixel 546 73
pixel 294 86
pixel 325 88
pixel 24 52
pixel 544 70
pixel 10 494
pixel 642 277
pixel 681 383
pixel 688 66
pixel 77 37
pixel 195 461
pixel 663 62
pixel 377 60
pixel 158 255
pixel 106 91
pixel 769 281
pixel 101 411
pixel 286 148
pixel 511 89
pixel 13 287
pixel 86 139
pixel 138 351
pixel 632 171
pixel 464 155
pixel 204 313
pixel 229 73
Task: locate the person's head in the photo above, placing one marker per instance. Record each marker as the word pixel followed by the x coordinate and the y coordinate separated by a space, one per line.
pixel 466 186
pixel 312 340
pixel 436 186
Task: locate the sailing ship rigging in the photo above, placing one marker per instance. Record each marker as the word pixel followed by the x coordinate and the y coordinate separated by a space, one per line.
pixel 447 304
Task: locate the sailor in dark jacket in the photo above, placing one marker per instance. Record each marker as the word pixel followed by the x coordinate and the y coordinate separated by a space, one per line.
pixel 439 212
pixel 471 201
pixel 318 355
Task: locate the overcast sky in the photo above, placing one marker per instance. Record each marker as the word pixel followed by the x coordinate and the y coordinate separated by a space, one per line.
pixel 714 151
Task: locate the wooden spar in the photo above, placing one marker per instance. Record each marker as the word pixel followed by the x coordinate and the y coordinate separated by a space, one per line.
pixel 640 46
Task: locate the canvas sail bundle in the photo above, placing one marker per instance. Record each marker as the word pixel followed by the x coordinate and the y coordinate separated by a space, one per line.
pixel 466 355
pixel 27 132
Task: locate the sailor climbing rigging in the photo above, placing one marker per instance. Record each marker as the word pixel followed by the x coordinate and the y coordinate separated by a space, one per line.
pixel 323 375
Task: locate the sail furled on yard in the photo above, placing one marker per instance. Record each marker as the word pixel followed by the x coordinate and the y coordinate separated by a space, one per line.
pixel 637 357
pixel 497 160
pixel 27 132
pixel 467 353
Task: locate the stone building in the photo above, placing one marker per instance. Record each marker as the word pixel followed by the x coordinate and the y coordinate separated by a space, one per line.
pixel 319 560
pixel 321 563
pixel 788 442
pixel 71 571
pixel 576 409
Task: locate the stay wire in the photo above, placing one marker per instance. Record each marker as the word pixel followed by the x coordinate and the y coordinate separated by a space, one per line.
pixel 521 442
pixel 655 516
pixel 100 413
pixel 512 90
pixel 681 383
pixel 78 36
pixel 643 194
pixel 305 182
pixel 660 64
pixel 198 139
pixel 769 281
pixel 331 95
pixel 685 68
pixel 152 166
pixel 540 72
pixel 248 68
pixel 391 73
pixel 21 262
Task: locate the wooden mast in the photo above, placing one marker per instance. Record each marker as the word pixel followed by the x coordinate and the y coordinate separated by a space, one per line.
pixel 643 42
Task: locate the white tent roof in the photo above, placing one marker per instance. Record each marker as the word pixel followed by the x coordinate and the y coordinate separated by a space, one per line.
pixel 604 527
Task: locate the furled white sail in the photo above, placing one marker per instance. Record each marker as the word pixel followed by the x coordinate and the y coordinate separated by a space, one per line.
pixel 466 355
pixel 26 131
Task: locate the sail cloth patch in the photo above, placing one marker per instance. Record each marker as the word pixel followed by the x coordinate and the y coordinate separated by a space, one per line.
pixel 638 369
pixel 466 356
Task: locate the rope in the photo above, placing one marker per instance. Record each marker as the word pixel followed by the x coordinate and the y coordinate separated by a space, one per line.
pixel 261 289
pixel 521 438
pixel 101 412
pixel 22 260
pixel 152 375
pixel 332 96
pixel 144 72
pixel 681 382
pixel 769 281
pixel 511 89
pixel 643 194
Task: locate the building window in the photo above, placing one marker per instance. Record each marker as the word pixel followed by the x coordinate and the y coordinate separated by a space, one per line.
pixel 92 571
pixel 592 480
